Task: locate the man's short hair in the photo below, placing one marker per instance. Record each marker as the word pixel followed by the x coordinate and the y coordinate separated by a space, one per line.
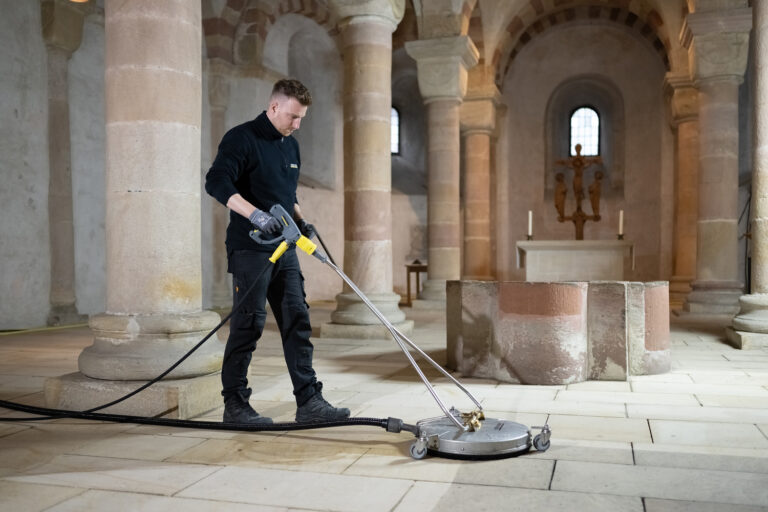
pixel 292 88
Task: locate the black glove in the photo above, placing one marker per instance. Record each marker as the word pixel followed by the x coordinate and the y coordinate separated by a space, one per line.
pixel 265 223
pixel 307 229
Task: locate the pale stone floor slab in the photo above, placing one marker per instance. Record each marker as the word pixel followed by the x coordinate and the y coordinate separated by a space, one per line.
pixel 694 439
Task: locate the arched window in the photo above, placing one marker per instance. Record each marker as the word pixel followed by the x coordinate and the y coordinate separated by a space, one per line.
pixel 585 130
pixel 394 137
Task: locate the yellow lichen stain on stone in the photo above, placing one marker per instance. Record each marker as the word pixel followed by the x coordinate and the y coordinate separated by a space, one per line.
pixel 180 289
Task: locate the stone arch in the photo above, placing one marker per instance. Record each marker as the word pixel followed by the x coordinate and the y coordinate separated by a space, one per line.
pixel 220 23
pixel 257 23
pixel 468 10
pixel 605 97
pixel 475 31
pixel 535 18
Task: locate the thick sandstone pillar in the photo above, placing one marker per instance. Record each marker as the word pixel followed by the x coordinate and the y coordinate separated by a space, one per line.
pixel 218 98
pixel 154 292
pixel 366 31
pixel 750 326
pixel 442 66
pixel 478 122
pixel 62 24
pixel 718 43
pixel 684 107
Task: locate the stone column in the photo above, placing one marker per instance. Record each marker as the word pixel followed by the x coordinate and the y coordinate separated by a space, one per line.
pixel 366 32
pixel 717 41
pixel 218 98
pixel 684 106
pixel 750 326
pixel 154 292
pixel 478 122
pixel 442 66
pixel 62 25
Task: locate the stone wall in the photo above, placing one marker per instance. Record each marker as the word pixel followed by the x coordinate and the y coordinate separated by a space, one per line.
pixel 24 245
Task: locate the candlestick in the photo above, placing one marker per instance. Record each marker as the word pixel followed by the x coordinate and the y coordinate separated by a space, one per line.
pixel 621 222
pixel 530 223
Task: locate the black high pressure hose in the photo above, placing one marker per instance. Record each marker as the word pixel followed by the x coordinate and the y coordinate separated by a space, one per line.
pixel 394 425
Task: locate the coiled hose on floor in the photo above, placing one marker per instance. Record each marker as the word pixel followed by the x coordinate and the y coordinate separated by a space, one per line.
pixel 389 424
pixel 394 425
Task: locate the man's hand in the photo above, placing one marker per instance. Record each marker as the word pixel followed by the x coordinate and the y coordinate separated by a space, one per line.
pixel 265 222
pixel 307 229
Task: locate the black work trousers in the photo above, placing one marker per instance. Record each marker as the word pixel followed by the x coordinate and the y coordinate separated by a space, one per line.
pixel 282 284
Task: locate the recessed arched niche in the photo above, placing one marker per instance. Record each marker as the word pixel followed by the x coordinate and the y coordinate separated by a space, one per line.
pixel 601 95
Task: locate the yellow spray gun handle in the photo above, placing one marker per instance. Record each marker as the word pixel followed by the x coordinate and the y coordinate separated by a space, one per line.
pixel 279 251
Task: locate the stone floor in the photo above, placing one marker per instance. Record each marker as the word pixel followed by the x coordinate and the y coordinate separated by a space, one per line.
pixel 695 439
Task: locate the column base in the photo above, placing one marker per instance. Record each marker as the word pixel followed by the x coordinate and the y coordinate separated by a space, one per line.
pixel 429 305
pixel 65 314
pixel 351 310
pixel 753 314
pixel 178 399
pixel 679 288
pixel 352 318
pixel 433 290
pixel 140 347
pixel 363 332
pixel 713 298
pixel 746 340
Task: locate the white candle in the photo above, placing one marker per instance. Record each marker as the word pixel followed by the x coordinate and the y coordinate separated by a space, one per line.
pixel 621 222
pixel 530 223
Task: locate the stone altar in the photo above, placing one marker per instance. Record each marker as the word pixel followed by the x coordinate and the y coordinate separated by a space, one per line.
pixel 575 260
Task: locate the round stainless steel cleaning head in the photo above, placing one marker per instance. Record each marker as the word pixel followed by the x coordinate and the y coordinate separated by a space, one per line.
pixel 496 439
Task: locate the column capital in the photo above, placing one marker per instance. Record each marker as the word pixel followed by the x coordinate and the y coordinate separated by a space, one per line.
pixel 389 12
pixel 62 24
pixel 477 112
pixel 442 65
pixel 683 97
pixel 717 42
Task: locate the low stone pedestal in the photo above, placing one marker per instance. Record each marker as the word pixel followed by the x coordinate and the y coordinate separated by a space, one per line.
pixel 177 398
pixel 557 333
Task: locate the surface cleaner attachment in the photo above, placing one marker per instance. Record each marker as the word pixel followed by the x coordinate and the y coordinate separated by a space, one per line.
pixel 454 435
pixel 494 440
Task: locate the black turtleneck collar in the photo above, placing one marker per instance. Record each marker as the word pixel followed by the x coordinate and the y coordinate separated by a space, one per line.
pixel 265 129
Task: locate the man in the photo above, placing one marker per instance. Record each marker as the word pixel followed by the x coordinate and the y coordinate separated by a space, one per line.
pixel 257 166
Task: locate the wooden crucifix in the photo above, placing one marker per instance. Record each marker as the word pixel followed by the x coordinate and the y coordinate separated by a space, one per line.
pixel 578 163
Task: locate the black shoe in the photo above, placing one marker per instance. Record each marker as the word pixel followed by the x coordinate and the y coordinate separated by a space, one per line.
pixel 239 411
pixel 316 410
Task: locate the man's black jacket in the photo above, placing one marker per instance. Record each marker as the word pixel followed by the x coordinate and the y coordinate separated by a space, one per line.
pixel 259 163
